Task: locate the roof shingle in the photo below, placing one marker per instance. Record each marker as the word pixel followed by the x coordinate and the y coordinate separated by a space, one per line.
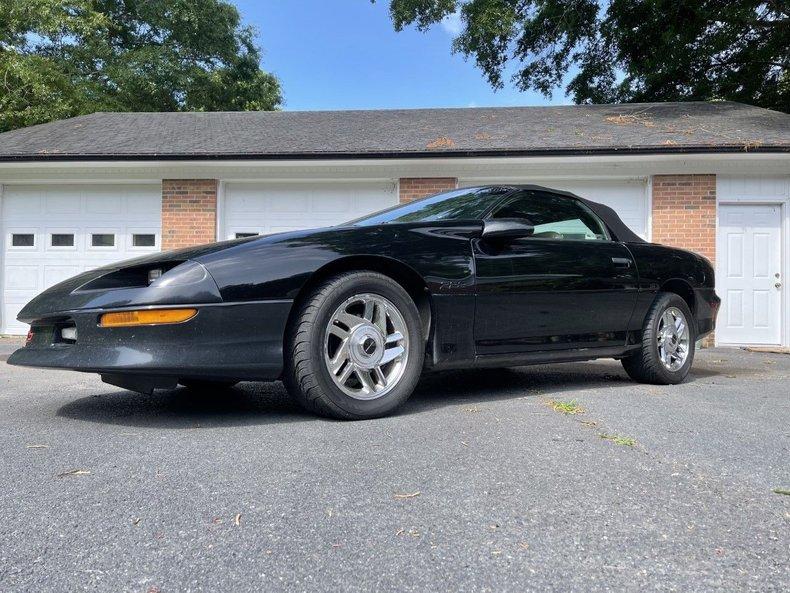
pixel 577 129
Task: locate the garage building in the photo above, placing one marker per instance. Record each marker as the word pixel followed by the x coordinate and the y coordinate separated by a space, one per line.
pixel 711 177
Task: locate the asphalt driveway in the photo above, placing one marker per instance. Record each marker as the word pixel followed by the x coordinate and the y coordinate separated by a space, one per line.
pixel 480 484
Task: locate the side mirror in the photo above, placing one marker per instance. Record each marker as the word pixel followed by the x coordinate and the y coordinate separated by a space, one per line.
pixel 506 229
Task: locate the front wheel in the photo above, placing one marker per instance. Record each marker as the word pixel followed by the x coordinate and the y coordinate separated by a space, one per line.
pixel 668 340
pixel 354 349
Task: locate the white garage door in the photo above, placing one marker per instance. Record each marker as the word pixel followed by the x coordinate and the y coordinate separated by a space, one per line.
pixel 628 197
pixel 52 232
pixel 264 208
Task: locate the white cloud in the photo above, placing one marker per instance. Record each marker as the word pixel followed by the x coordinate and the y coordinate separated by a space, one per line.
pixel 453 24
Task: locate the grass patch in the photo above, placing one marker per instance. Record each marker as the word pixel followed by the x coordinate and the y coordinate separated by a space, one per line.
pixel 619 440
pixel 570 407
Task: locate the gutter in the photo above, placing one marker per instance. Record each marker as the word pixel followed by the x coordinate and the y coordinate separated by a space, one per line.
pixel 314 156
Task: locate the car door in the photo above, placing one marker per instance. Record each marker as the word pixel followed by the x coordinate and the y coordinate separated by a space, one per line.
pixel 566 286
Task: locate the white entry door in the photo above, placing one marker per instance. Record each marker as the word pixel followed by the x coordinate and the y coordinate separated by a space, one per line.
pixel 749 278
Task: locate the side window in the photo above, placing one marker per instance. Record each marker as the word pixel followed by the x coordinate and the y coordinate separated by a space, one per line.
pixel 554 217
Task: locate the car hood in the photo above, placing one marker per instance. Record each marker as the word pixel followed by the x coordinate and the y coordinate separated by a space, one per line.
pixel 125 285
pixel 188 282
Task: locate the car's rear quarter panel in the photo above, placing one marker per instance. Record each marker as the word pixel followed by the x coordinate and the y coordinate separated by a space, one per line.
pixel 660 268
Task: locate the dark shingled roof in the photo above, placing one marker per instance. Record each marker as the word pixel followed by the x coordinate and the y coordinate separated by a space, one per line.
pixel 576 129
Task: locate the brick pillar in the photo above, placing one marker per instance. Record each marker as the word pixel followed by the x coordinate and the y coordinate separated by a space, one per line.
pixel 684 215
pixel 413 188
pixel 189 212
pixel 684 212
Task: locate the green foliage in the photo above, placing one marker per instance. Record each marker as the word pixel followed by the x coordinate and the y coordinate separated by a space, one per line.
pixel 619 440
pixel 61 58
pixel 624 50
pixel 565 407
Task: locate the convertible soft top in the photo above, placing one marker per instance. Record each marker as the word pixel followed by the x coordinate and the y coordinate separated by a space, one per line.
pixel 605 213
pixel 613 221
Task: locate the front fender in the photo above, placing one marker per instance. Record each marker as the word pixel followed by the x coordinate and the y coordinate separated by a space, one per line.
pixel 279 266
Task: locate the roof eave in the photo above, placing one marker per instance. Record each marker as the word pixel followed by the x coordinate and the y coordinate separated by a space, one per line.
pixel 312 156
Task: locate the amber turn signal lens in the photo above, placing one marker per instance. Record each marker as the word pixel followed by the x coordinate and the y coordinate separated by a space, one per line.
pixel 146 317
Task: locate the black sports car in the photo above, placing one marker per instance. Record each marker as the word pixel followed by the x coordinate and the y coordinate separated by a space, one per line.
pixel 349 316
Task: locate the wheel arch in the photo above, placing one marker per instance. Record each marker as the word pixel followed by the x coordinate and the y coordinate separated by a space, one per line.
pixel 684 290
pixel 411 281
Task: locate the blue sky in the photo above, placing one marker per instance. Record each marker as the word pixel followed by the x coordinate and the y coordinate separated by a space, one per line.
pixel 344 54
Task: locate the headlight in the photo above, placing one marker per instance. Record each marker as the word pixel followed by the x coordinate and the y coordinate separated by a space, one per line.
pixel 189 272
pixel 167 273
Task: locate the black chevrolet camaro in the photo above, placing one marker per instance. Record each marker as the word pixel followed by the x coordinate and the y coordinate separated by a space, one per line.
pixel 349 316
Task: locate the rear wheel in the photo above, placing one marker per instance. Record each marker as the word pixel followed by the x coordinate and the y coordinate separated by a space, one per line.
pixel 668 341
pixel 355 348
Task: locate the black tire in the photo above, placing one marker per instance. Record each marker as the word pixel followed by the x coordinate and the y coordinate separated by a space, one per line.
pixel 645 364
pixel 306 375
pixel 206 384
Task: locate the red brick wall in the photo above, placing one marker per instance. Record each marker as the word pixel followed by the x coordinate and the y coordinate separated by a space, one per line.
pixel 189 212
pixel 684 212
pixel 413 188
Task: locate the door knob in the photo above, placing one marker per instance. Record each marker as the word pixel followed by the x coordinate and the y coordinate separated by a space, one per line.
pixel 778 285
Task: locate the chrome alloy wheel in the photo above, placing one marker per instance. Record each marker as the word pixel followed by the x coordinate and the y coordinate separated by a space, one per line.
pixel 673 339
pixel 366 346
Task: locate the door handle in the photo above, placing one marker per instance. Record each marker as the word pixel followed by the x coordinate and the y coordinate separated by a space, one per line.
pixel 621 262
pixel 778 285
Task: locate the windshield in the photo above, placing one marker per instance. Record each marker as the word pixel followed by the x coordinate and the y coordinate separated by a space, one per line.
pixel 469 203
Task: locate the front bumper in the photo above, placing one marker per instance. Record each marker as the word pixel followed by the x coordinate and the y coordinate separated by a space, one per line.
pixel 242 341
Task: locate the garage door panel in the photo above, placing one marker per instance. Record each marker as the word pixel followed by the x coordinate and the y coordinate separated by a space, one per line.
pixel 21 278
pixel 369 203
pixel 331 204
pixel 55 274
pixel 97 202
pixel 21 204
pixel 266 208
pixel 73 212
pixel 64 202
pixel 291 205
pixel 143 207
pixel 285 229
pixel 11 311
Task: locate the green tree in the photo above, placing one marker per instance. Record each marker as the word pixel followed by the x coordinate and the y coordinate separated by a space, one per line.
pixel 623 50
pixel 60 58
